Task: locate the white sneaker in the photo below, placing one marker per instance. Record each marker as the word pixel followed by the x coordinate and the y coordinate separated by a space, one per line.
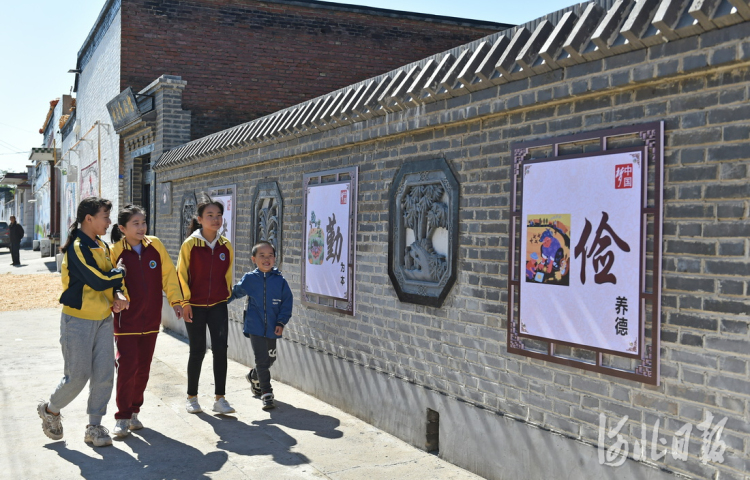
pixel 51 424
pixel 122 427
pixel 192 406
pixel 98 435
pixel 135 424
pixel 222 406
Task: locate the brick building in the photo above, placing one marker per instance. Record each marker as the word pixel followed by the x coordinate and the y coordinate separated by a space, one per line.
pixel 237 59
pixel 448 376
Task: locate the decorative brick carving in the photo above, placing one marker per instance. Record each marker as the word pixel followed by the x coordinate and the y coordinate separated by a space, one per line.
pixel 189 205
pixel 423 200
pixel 267 217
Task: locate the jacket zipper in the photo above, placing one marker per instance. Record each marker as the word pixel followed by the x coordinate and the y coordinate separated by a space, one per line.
pixel 145 289
pixel 210 275
pixel 265 310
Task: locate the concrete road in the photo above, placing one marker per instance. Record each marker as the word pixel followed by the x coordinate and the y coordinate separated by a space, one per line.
pixel 31 262
pixel 301 438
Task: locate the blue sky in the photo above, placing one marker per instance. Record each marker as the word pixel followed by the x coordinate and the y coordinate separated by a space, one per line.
pixel 40 40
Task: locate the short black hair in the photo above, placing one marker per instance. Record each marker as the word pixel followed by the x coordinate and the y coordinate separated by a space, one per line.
pixel 262 244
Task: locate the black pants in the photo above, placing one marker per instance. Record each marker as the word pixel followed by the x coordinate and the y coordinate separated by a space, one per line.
pixel 264 350
pixel 15 252
pixel 217 321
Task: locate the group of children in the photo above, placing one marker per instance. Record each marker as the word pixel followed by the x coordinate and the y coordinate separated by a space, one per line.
pixel 116 292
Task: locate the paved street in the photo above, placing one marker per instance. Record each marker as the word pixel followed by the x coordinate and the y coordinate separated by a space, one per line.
pixel 31 262
pixel 301 438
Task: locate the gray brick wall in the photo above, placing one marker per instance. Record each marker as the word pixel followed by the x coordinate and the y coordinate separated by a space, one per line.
pixel 698 86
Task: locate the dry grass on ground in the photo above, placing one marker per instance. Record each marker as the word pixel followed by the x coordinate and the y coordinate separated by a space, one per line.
pixel 24 292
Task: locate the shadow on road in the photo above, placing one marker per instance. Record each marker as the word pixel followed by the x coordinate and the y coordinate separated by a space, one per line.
pixel 302 419
pixel 157 456
pixel 249 440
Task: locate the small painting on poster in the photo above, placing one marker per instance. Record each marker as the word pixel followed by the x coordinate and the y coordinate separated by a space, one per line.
pixel 548 249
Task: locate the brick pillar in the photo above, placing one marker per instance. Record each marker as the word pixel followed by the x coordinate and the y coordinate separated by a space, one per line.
pixel 172 122
pixel 172 126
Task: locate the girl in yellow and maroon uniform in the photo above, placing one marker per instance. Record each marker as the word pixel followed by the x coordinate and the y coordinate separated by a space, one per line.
pixel 152 272
pixel 204 268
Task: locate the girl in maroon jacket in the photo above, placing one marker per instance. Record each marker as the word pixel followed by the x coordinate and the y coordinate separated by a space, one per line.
pixel 204 269
pixel 152 272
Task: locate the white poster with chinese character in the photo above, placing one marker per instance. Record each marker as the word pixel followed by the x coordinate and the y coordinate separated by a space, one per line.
pixel 326 241
pixel 580 248
pixel 226 196
pixel 227 229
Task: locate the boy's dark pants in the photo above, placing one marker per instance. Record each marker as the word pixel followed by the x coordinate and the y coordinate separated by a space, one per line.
pixel 265 354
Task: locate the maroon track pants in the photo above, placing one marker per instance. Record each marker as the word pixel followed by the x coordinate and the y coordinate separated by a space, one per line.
pixel 133 362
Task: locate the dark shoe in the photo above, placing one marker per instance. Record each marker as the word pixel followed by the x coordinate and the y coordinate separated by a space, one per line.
pixel 252 377
pixel 267 399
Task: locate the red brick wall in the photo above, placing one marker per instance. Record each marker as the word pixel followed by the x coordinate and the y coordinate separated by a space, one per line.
pixel 243 59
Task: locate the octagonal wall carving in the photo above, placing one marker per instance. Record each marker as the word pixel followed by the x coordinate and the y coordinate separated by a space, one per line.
pixel 188 211
pixel 423 231
pixel 268 209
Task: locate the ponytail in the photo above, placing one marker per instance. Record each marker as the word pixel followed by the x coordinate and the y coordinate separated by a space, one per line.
pixel 115 235
pixel 72 234
pixel 88 206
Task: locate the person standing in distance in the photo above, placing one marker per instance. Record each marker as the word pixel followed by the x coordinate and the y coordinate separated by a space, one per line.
pixel 16 234
pixel 204 270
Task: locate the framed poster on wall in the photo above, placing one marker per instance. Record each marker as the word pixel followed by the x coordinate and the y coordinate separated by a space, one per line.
pixel 586 251
pixel 90 180
pixel 329 235
pixel 227 196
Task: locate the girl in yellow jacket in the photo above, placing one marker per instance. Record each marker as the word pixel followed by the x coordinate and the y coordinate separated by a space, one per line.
pixel 204 268
pixel 92 285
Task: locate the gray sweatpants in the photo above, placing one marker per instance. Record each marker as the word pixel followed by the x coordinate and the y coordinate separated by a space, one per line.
pixel 89 355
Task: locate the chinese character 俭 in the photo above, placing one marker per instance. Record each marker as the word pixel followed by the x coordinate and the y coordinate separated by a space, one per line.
pixel 335 241
pixel 601 260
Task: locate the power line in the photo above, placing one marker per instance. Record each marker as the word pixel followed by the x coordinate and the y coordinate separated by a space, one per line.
pixel 13 126
pixel 7 145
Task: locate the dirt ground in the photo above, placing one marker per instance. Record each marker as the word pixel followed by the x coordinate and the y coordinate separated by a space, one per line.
pixel 24 292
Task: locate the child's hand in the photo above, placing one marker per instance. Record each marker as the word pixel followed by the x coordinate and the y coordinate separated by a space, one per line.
pixel 178 311
pixel 279 330
pixel 121 264
pixel 120 304
pixel 187 313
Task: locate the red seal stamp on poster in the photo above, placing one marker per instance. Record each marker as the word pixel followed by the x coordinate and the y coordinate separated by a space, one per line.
pixel 344 194
pixel 624 176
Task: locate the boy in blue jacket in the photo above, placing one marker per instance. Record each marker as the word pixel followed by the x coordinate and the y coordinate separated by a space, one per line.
pixel 269 309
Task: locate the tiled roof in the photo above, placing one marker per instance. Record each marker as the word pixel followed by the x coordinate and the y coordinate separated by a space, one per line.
pixel 579 34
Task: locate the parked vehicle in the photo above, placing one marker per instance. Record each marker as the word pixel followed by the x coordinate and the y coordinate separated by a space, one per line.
pixel 4 235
